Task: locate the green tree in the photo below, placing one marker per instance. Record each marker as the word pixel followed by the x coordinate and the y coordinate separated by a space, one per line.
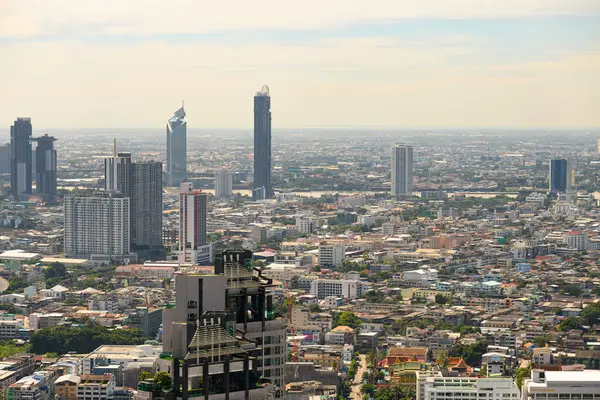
pixel 570 323
pixel 471 353
pixel 572 290
pixel 347 318
pixel 591 314
pixel 522 374
pixel 163 379
pixel 145 376
pixel 441 299
pixel 541 341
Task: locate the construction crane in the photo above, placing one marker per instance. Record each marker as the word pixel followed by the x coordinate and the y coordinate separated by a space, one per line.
pixel 292 331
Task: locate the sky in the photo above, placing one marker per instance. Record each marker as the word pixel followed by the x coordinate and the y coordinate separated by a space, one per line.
pixel 329 63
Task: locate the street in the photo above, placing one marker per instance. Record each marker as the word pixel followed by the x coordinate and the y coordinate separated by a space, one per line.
pixel 357 383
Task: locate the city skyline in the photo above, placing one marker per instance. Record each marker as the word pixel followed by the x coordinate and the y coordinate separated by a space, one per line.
pixel 429 64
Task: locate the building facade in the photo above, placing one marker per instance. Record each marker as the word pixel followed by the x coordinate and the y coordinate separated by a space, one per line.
pixel 21 163
pixel 468 388
pixel 348 289
pixel 5 159
pixel 331 255
pixel 177 148
pixel 402 168
pixel 98 225
pixel 560 175
pixel 45 171
pixel 192 226
pixel 565 385
pixel 146 205
pixel 223 184
pixel 262 144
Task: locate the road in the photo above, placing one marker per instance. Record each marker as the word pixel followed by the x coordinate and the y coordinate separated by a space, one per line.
pixel 356 384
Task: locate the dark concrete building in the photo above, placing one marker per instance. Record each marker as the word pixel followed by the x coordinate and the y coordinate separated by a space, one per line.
pixel 262 145
pixel 20 158
pixel 45 171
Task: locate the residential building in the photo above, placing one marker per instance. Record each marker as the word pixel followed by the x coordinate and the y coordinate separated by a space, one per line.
pixel 340 335
pixel 177 148
pixel 576 240
pixel 21 158
pixel 95 387
pixel 402 168
pixel 304 225
pixel 262 143
pixel 331 255
pixel 31 387
pixel 66 387
pixel 467 388
pixel 148 320
pixel 561 385
pixel 346 288
pixel 117 173
pixel 45 171
pixel 192 226
pixel 97 226
pixel 223 184
pixel 146 205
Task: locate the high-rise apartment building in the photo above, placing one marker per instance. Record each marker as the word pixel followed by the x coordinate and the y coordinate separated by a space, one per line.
pixel 262 143
pixel 223 184
pixel 560 175
pixel 146 204
pixel 402 168
pixel 142 183
pixel 331 255
pixel 45 171
pixel 5 159
pixel 21 158
pixel 192 226
pixel 117 173
pixel 177 148
pixel 97 226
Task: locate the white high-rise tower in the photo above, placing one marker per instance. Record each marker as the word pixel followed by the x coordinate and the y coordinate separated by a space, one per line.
pixel 402 166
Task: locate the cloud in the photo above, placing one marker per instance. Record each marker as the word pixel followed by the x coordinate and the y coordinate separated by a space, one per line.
pixel 35 18
pixel 342 82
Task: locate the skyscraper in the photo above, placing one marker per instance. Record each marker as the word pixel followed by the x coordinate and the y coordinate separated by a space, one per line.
pixel 45 171
pixel 223 184
pixel 262 143
pixel 97 226
pixel 20 158
pixel 192 226
pixel 560 175
pixel 402 165
pixel 141 182
pixel 5 159
pixel 177 148
pixel 146 204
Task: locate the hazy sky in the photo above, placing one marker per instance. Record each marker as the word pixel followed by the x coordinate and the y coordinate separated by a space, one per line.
pixel 328 63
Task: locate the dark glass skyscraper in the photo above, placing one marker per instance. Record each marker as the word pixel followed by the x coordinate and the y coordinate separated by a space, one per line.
pixel 262 144
pixel 559 175
pixel 177 148
pixel 45 168
pixel 20 157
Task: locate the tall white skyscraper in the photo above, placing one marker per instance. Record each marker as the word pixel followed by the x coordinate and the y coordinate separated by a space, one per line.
pixel 177 148
pixel 97 226
pixel 192 226
pixel 402 168
pixel 223 184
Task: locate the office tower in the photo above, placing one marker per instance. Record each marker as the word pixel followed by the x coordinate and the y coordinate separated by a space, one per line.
pixel 45 160
pixel 177 148
pixel 5 159
pixel 240 305
pixel 598 145
pixel 146 204
pixel 262 144
pixel 402 165
pixel 560 175
pixel 20 158
pixel 223 184
pixel 97 226
pixel 192 226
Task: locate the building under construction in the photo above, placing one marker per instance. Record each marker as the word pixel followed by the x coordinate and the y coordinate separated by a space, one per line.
pixel 221 337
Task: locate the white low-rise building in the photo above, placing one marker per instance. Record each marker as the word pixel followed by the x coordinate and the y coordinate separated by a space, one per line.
pixel 349 289
pixel 469 388
pixel 562 385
